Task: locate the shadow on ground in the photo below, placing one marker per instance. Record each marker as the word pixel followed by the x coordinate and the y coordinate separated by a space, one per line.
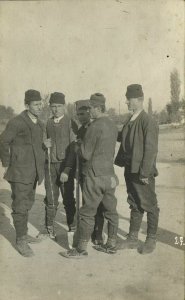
pixel 36 218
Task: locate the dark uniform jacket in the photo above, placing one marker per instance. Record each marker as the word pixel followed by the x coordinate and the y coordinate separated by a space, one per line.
pixel 98 147
pixel 71 155
pixel 144 144
pixel 21 148
pixel 61 135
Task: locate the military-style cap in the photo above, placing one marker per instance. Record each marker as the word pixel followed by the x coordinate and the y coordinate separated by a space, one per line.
pixel 58 98
pixel 134 91
pixel 82 104
pixel 32 95
pixel 97 99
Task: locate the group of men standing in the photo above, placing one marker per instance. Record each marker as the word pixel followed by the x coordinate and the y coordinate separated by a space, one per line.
pixel 31 152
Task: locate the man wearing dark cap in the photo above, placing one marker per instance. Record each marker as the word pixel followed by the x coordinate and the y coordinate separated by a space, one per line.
pixel 59 136
pixel 83 115
pixel 23 158
pixel 137 153
pixel 99 183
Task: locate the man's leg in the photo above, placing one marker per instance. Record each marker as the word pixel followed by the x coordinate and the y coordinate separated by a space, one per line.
pixel 136 213
pixel 152 226
pixel 92 196
pixel 97 235
pixel 110 203
pixel 51 199
pixel 131 242
pixel 23 199
pixel 147 198
pixel 67 191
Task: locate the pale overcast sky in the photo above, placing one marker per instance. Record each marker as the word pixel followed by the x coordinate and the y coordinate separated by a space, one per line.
pixel 80 47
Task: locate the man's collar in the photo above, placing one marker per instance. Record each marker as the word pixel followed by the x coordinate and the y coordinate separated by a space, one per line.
pixel 135 115
pixel 57 120
pixel 33 118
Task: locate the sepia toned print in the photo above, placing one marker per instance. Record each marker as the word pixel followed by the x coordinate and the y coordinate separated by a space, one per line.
pixel 73 75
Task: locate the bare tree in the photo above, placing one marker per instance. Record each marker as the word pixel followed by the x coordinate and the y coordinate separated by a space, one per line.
pixel 175 86
pixel 174 105
pixel 150 111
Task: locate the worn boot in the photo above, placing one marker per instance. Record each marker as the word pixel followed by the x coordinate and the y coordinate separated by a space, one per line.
pixel 97 238
pixel 97 235
pixel 79 252
pixel 47 232
pixel 42 235
pixel 51 232
pixel 23 247
pixel 152 225
pixel 135 223
pixel 130 243
pixel 149 245
pixel 109 248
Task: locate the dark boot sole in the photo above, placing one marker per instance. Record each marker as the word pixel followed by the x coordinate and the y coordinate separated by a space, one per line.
pixel 66 255
pixel 25 255
pixel 104 250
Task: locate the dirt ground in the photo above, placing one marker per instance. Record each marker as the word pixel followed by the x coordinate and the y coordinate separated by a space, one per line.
pixel 126 275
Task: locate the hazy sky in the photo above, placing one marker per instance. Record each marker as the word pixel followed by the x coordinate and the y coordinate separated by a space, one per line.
pixel 80 47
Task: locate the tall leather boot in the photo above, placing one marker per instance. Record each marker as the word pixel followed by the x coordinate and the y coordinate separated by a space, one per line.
pixel 111 245
pixel 97 235
pixel 48 231
pixel 131 242
pixel 152 225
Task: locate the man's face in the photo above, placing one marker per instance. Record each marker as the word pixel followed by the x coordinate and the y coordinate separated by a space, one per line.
pixel 94 112
pixel 57 109
pixel 133 104
pixel 35 108
pixel 83 116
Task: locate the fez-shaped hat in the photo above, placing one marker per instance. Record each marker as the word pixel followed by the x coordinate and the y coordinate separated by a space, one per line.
pixel 82 104
pixel 58 98
pixel 134 91
pixel 97 99
pixel 32 95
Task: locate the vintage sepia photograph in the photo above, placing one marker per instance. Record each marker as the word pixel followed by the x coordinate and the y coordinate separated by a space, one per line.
pixel 92 150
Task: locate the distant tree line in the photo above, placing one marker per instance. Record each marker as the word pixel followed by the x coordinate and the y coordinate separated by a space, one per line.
pixel 6 113
pixel 174 111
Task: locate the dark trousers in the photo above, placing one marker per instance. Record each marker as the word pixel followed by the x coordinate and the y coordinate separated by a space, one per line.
pixel 67 191
pixel 23 196
pixel 99 217
pixel 142 197
pixel 97 190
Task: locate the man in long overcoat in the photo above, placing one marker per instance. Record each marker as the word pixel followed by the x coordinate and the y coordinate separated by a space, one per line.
pixel 137 153
pixel 23 157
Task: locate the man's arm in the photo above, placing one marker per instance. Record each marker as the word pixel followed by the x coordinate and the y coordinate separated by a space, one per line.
pixel 70 152
pixel 6 139
pixel 150 150
pixel 89 143
pixel 72 131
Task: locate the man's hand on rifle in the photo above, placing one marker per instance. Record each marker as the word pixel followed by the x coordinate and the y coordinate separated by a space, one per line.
pixel 48 143
pixel 63 177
